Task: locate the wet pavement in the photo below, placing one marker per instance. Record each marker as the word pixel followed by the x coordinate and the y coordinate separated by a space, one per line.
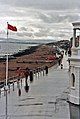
pixel 46 98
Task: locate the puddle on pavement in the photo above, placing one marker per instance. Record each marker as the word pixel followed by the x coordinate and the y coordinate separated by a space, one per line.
pixel 37 104
pixel 31 98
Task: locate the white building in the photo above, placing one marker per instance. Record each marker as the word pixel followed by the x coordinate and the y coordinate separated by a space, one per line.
pixel 74 94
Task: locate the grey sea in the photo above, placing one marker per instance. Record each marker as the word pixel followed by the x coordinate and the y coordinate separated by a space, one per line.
pixel 14 45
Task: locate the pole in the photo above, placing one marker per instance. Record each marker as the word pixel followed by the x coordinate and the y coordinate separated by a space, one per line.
pixel 6 88
pixel 74 36
pixel 6 102
pixel 6 82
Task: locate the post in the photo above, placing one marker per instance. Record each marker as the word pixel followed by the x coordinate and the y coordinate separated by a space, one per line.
pixel 6 87
pixel 74 36
pixel 6 102
pixel 6 68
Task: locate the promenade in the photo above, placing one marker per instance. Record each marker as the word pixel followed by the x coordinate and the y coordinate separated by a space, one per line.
pixel 46 98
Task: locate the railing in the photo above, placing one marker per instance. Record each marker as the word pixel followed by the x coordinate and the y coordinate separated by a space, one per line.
pixel 34 71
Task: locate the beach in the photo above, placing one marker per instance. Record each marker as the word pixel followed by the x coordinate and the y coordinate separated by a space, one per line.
pixel 38 58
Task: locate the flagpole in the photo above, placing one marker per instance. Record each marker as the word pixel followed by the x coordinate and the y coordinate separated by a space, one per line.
pixel 13 28
pixel 6 88
pixel 7 58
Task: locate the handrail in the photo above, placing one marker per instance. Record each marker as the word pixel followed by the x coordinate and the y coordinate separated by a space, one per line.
pixel 35 70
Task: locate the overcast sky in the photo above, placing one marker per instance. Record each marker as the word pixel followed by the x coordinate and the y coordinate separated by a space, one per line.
pixel 39 18
pixel 44 4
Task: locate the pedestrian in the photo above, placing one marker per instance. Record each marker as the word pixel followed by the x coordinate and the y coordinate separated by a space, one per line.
pixel 46 69
pixel 69 52
pixel 26 74
pixel 59 61
pixel 19 92
pixel 31 76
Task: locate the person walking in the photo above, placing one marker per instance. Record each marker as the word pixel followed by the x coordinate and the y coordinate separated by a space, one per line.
pixel 46 70
pixel 31 76
pixel 26 74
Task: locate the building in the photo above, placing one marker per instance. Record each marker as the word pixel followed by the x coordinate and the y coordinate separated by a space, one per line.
pixel 74 94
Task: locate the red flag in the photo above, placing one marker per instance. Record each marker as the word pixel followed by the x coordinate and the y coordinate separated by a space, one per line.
pixel 12 28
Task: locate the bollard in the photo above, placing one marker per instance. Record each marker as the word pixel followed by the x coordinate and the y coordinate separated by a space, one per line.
pixel 4 91
pixel 13 85
pixel 0 93
pixel 69 68
pixel 18 86
pixel 19 90
pixel 38 73
pixel 61 66
pixel 9 87
pixel 43 72
pixel 21 83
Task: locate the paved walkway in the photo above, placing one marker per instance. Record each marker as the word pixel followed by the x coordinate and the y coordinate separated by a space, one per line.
pixel 46 98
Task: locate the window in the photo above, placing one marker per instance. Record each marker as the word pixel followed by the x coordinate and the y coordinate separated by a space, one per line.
pixel 73 80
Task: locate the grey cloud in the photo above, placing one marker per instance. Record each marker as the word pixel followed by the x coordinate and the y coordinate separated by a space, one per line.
pixel 28 34
pixel 46 22
pixel 44 4
pixel 20 34
pixel 53 17
pixel 40 34
pixel 70 18
pixel 23 29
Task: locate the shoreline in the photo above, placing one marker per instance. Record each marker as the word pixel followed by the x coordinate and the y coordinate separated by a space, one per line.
pixel 33 58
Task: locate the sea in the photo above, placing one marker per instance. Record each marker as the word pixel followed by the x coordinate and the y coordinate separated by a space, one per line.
pixel 15 45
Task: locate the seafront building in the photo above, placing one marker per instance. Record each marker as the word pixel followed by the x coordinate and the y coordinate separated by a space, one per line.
pixel 74 94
